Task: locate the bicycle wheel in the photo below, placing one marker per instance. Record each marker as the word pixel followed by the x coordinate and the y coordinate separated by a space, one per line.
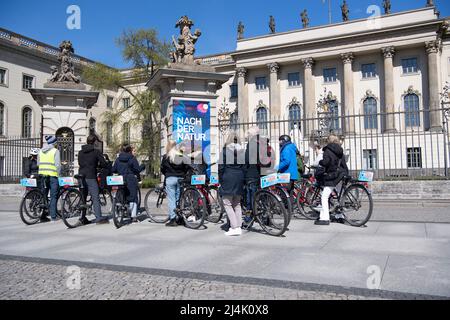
pixel 119 209
pixel 72 208
pixel 356 205
pixel 155 206
pixel 270 213
pixel 106 202
pixel 286 199
pixel 32 207
pixel 215 206
pixel 192 207
pixel 308 201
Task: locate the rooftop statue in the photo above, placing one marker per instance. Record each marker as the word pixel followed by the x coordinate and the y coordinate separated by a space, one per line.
pixel 305 19
pixel 387 6
pixel 240 31
pixel 345 11
pixel 272 24
pixel 185 44
pixel 66 71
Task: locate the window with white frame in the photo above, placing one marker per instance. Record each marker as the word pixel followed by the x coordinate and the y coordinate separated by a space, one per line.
pixel 126 132
pixel 109 102
pixel 109 135
pixel 233 91
pixel 412 114
pixel 293 79
pixel 27 115
pixel 414 157
pixel 334 110
pixel 294 117
pixel 234 120
pixel 369 70
pixel 370 113
pixel 370 160
pixel 410 65
pixel 126 103
pixel 329 75
pixel 27 82
pixel 260 83
pixel 2 76
pixel 261 118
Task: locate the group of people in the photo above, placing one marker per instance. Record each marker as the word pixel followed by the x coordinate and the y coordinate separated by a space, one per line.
pixel 46 163
pixel 241 167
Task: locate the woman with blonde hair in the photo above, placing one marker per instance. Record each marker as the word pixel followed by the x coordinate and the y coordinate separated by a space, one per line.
pixel 173 167
pixel 232 177
pixel 335 168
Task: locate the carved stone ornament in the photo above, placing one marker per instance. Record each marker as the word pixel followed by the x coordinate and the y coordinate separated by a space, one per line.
pixel 273 67
pixel 184 45
pixel 308 63
pixel 294 102
pixel 261 105
pixel 347 57
pixel 433 46
pixel 305 18
pixel 388 52
pixel 345 11
pixel 387 6
pixel 241 72
pixel 411 91
pixel 369 94
pixel 240 30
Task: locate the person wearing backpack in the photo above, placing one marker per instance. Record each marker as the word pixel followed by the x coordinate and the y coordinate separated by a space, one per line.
pixel 288 159
pixel 335 169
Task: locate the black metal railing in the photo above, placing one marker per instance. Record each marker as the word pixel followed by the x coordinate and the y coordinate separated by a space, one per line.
pixel 13 154
pixel 395 145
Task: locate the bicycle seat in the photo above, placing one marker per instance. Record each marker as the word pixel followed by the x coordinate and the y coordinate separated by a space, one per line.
pixel 79 176
pixel 307 176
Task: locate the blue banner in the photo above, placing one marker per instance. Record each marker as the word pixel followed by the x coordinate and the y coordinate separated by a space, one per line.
pixel 191 126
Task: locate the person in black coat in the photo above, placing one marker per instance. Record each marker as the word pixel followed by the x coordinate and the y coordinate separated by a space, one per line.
pixel 127 166
pixel 31 167
pixel 335 169
pixel 232 176
pixel 89 159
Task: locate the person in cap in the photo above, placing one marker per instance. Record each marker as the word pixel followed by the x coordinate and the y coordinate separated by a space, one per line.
pixel 31 168
pixel 288 158
pixel 49 163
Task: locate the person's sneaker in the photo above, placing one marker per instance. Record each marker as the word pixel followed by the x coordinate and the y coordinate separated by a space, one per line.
pixel 134 220
pixel 322 222
pixel 234 232
pixel 44 219
pixel 102 221
pixel 85 221
pixel 172 223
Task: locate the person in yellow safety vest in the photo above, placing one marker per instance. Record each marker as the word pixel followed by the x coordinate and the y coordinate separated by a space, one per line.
pixel 50 168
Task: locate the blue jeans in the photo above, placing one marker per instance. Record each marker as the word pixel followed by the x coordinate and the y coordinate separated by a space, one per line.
pixel 52 182
pixel 91 186
pixel 173 194
pixel 252 187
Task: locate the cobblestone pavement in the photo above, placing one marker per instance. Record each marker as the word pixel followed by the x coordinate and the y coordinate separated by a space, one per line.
pixel 35 280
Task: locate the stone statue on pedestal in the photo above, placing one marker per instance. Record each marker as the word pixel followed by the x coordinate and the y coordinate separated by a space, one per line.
pixel 305 19
pixel 185 46
pixel 272 24
pixel 240 31
pixel 345 11
pixel 387 6
pixel 430 3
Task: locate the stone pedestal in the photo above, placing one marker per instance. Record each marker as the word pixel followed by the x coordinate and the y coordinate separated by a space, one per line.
pixel 189 83
pixel 66 110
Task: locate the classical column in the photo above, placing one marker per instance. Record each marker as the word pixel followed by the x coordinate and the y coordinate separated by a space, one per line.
pixel 309 96
pixel 348 105
pixel 242 95
pixel 433 48
pixel 275 104
pixel 389 99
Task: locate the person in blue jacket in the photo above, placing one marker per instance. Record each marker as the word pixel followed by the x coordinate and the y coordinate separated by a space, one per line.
pixel 288 158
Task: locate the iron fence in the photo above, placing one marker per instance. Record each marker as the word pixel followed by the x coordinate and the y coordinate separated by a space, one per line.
pixel 13 154
pixel 393 145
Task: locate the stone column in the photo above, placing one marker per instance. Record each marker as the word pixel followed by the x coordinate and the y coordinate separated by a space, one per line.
pixel 348 105
pixel 389 96
pixel 275 104
pixel 242 95
pixel 433 48
pixel 309 98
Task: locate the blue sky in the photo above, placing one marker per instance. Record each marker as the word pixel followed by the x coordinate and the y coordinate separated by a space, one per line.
pixel 103 21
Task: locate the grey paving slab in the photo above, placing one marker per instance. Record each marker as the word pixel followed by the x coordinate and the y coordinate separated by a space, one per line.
pixel 403 229
pixel 438 230
pixel 417 275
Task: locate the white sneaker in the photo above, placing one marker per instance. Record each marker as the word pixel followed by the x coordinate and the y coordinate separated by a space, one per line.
pixel 234 232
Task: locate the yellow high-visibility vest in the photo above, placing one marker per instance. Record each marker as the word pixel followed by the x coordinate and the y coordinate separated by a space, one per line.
pixel 46 163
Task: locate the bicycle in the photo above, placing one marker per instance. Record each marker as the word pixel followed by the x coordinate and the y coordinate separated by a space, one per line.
pixel 268 210
pixel 353 199
pixel 35 204
pixel 193 206
pixel 75 202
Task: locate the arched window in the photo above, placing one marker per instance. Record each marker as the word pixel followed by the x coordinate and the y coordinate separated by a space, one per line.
pixel 334 109
pixel 234 120
pixel 109 128
pixel 294 117
pixel 370 113
pixel 2 119
pixel 126 132
pixel 27 114
pixel 412 116
pixel 261 118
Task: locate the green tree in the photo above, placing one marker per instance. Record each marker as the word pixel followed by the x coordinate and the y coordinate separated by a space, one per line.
pixel 144 51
